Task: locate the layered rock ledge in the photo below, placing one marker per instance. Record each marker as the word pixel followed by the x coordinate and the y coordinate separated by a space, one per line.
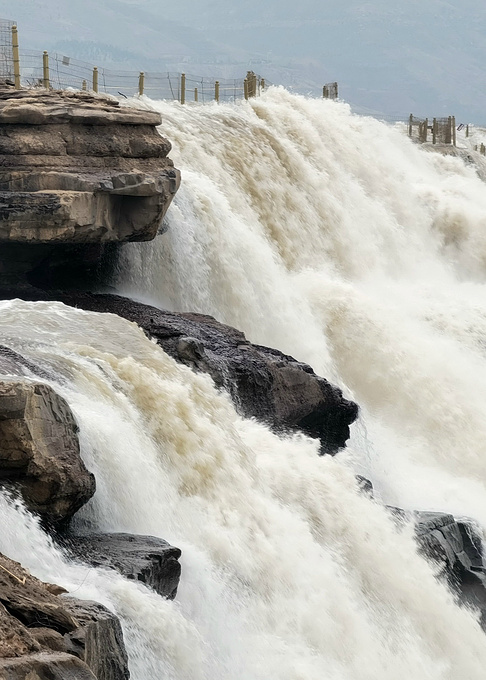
pixel 79 168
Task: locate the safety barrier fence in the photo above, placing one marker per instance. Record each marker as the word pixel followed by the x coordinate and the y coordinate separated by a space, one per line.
pixel 442 130
pixel 33 68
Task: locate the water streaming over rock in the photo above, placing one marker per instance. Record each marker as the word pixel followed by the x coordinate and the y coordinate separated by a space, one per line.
pixel 330 237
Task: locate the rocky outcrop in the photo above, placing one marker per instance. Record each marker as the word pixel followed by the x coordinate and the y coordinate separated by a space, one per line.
pixel 264 383
pixel 455 544
pixel 39 449
pixel 52 636
pixel 148 559
pixel 78 168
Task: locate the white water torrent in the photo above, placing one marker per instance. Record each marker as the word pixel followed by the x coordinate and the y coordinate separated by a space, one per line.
pixel 334 239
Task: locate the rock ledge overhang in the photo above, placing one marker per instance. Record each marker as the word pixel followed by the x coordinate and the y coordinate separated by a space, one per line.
pixel 76 167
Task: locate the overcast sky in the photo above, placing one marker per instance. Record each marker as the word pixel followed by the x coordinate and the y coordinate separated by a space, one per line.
pixel 393 57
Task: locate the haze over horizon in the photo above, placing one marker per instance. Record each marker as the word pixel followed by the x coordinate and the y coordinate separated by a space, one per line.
pixel 388 57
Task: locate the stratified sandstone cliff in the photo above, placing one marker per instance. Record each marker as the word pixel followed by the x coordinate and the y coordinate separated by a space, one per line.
pixel 79 168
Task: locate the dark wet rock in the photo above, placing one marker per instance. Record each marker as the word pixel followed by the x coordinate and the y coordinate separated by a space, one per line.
pixel 455 545
pixel 264 383
pixel 46 633
pixel 39 449
pixel 150 560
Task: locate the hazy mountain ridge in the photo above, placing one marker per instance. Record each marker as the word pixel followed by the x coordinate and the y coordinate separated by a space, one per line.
pixel 393 58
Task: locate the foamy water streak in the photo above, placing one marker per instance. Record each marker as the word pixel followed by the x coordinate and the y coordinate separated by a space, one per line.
pixel 337 240
pixel 288 571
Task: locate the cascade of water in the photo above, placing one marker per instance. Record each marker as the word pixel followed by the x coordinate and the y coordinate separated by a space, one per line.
pixel 336 239
pixel 288 571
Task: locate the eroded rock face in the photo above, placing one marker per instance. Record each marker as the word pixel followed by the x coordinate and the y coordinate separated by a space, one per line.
pixel 264 383
pixel 148 559
pixel 39 450
pixel 55 637
pixel 80 168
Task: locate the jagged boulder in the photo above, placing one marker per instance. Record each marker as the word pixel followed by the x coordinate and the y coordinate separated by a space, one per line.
pixel 54 637
pixel 148 559
pixel 39 450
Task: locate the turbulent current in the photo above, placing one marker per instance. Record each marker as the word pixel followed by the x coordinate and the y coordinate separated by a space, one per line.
pixel 335 239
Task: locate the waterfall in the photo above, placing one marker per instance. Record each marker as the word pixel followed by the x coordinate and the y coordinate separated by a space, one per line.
pixel 335 239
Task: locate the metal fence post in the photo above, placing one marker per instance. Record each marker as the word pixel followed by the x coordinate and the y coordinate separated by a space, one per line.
pixel 216 90
pixel 45 70
pixel 183 88
pixel 95 79
pixel 262 84
pixel 245 88
pixel 15 55
pixel 141 83
pixel 434 131
pixel 467 130
pixel 195 95
pixel 410 125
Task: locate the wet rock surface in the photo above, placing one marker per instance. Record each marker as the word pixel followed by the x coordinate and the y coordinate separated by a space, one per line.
pixel 52 636
pixel 39 449
pixel 148 559
pixel 455 544
pixel 264 383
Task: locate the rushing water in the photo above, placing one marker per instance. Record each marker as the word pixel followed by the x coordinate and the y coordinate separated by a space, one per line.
pixel 332 238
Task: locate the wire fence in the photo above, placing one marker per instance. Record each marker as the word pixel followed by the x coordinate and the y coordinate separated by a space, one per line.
pixel 6 51
pixel 39 69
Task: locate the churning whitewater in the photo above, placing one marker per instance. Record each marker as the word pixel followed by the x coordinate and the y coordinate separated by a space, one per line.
pixel 335 239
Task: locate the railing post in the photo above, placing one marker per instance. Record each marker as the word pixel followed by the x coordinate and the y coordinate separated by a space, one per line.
pixel 245 88
pixel 84 86
pixel 141 83
pixel 467 130
pixel 216 90
pixel 454 136
pixel 410 125
pixel 336 90
pixel 95 79
pixel 183 88
pixel 434 131
pixel 262 84
pixel 45 70
pixel 16 58
pixel 426 129
pixel 195 95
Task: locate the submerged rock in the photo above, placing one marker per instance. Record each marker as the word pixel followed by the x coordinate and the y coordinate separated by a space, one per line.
pixel 55 637
pixel 264 383
pixel 148 559
pixel 39 450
